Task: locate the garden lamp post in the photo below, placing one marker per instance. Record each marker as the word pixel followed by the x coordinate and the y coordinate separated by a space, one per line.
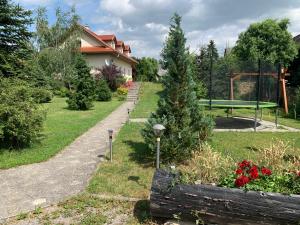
pixel 110 135
pixel 158 131
pixel 128 112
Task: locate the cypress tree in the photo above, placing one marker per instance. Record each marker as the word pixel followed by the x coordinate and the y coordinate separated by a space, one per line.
pixel 83 96
pixel 178 108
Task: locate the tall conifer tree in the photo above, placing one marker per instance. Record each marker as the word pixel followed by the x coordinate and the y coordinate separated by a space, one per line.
pixel 178 109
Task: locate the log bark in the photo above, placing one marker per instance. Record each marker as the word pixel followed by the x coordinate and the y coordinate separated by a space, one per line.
pixel 220 205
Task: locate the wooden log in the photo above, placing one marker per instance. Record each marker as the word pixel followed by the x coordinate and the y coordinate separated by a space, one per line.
pixel 220 205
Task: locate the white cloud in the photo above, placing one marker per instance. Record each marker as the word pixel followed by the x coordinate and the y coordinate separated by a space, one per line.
pixel 118 7
pixel 155 27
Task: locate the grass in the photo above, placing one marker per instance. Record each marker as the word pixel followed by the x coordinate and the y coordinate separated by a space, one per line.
pixel 268 115
pixel 62 126
pixel 243 145
pixel 148 98
pixel 131 171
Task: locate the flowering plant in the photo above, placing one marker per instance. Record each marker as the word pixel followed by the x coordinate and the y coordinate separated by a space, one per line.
pixel 250 176
pixel 248 171
pixel 128 84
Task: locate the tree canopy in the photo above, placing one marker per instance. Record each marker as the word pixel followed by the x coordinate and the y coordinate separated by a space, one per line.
pixel 14 37
pixel 147 69
pixel 268 40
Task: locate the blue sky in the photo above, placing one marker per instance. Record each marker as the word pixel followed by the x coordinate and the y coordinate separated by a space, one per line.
pixel 144 23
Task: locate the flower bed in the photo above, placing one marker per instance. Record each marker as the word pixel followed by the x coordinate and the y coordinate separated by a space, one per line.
pixel 250 176
pixel 222 205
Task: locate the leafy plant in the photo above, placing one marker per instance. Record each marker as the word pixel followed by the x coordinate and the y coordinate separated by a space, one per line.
pixel 112 74
pixel 268 40
pixel 122 93
pixel 21 120
pixel 103 92
pixel 147 69
pixel 249 176
pixel 40 95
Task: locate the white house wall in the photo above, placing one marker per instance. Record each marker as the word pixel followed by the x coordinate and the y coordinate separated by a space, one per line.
pixel 98 61
pixel 87 41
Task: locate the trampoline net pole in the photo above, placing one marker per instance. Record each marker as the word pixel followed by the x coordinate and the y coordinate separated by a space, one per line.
pixel 255 120
pixel 277 94
pixel 210 79
pixel 258 84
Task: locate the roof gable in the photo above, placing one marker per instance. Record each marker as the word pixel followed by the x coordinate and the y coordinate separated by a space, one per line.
pixel 104 47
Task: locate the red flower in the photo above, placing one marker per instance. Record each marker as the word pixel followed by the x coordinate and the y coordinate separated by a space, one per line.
pixel 253 172
pixel 239 171
pixel 266 171
pixel 241 181
pixel 244 164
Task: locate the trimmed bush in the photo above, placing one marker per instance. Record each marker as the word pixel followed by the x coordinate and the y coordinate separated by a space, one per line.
pixel 103 92
pixel 41 95
pixel 21 120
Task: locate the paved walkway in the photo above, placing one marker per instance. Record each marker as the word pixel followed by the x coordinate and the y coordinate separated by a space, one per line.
pixel 26 187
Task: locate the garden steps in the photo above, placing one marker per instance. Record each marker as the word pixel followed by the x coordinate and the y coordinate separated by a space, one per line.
pixel 133 92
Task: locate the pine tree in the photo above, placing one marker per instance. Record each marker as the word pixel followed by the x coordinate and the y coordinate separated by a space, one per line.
pixel 82 98
pixel 103 92
pixel 203 62
pixel 178 109
pixel 14 37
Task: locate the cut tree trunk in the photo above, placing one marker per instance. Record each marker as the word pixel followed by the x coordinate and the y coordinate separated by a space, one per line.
pixel 220 205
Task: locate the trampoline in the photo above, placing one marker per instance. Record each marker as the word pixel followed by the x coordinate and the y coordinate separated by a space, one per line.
pixel 236 104
pixel 260 83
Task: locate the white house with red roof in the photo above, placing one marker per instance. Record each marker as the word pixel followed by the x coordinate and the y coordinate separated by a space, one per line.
pixel 101 50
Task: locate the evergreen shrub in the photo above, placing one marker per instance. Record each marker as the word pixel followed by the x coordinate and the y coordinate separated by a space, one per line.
pixel 103 92
pixel 21 119
pixel 40 95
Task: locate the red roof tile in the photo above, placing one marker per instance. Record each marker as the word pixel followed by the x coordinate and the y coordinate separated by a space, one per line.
pixel 108 37
pixel 106 49
pixel 127 48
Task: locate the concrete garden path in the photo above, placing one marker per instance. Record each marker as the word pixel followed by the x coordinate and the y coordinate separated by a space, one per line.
pixel 26 187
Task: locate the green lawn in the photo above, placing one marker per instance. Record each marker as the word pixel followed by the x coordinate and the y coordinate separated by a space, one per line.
pixel 243 145
pixel 62 126
pixel 268 114
pixel 149 96
pixel 131 171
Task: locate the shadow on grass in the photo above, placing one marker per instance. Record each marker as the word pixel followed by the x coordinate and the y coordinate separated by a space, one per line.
pixel 140 153
pixel 142 212
pixel 252 148
pixel 15 146
pixel 137 180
